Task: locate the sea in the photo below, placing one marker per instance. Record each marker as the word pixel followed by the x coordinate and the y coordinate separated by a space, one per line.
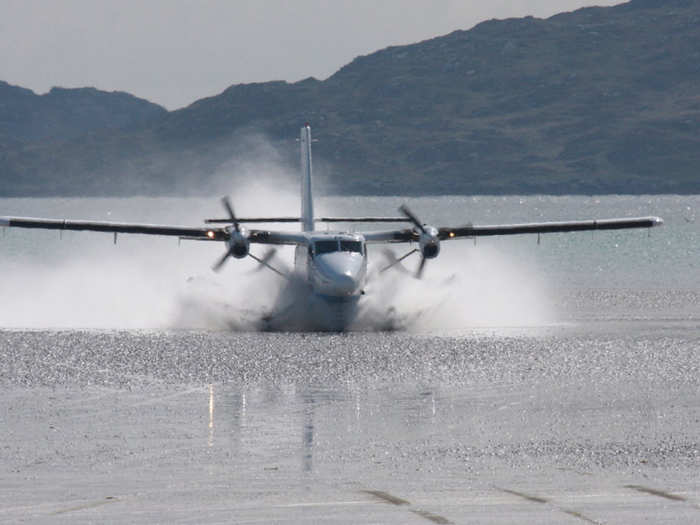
pixel 523 379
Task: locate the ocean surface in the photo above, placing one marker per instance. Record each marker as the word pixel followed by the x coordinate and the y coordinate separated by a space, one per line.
pixel 550 382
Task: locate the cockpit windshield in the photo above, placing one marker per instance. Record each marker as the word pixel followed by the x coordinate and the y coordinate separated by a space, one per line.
pixel 351 246
pixel 321 247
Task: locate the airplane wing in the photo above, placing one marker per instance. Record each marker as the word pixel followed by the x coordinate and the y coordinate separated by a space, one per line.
pixel 184 232
pixel 211 234
pixel 448 233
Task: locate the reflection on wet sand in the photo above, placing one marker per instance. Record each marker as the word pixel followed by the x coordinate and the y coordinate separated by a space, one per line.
pixel 307 455
pixel 382 441
pixel 259 421
pixel 597 426
pixel 210 441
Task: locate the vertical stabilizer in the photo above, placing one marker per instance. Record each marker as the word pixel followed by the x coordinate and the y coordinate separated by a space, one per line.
pixel 307 205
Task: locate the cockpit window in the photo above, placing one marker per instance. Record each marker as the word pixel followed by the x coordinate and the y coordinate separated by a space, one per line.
pixel 351 246
pixel 321 247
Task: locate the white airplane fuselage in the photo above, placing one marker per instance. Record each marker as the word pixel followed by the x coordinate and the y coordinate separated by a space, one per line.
pixel 333 264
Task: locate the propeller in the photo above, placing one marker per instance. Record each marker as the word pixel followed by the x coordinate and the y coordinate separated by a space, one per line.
pixel 238 242
pixel 429 241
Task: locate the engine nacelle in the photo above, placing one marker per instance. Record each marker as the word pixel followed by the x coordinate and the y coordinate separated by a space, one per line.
pixel 429 243
pixel 239 243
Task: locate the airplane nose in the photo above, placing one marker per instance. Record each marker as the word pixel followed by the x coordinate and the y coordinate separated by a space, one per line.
pixel 345 284
pixel 338 274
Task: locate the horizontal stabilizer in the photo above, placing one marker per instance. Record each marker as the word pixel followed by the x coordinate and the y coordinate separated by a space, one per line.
pixel 362 219
pixel 318 219
pixel 254 219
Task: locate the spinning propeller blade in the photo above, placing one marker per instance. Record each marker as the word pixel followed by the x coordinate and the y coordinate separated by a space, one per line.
pixel 421 267
pixel 412 217
pixel 227 204
pixel 219 264
pixel 265 259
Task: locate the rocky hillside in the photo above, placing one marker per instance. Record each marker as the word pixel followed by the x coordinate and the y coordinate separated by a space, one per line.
pixel 68 113
pixel 601 100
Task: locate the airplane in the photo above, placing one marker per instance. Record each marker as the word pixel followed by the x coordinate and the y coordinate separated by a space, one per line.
pixel 329 266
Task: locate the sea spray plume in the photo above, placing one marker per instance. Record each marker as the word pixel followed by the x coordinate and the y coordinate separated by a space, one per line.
pixel 481 286
pixel 82 280
pixel 467 287
pixel 90 291
pixel 257 169
pixel 240 298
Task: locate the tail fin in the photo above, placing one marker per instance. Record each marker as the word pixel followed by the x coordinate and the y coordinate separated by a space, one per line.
pixel 307 205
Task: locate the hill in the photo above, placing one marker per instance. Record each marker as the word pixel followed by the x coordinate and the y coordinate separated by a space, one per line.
pixel 600 100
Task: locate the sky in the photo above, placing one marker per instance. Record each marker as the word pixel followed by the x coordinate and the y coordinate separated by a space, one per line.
pixel 174 52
